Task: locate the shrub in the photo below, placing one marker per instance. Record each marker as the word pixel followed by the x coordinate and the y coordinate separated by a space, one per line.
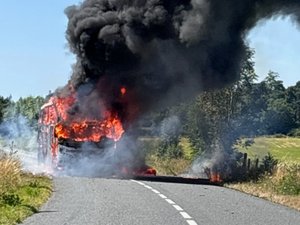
pixel 241 170
pixel 279 136
pixel 294 132
pixel 269 163
pixel 11 199
pixel 287 178
pixel 10 175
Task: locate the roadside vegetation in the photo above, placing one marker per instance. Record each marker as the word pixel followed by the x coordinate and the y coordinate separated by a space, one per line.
pixel 281 184
pixel 21 194
pixel 166 165
pixel 214 126
pixel 277 177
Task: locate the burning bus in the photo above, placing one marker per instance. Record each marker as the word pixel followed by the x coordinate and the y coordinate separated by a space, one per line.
pixel 71 133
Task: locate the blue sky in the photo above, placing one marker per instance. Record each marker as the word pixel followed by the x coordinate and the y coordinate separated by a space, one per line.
pixel 277 46
pixel 33 54
pixel 34 58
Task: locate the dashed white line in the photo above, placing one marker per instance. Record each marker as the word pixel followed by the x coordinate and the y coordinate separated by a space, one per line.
pixel 185 215
pixel 162 196
pixel 191 222
pixel 139 182
pixel 177 207
pixel 155 191
pixel 170 201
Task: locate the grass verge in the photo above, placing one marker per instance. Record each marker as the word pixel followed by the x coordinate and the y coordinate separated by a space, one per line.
pixel 282 187
pixel 21 194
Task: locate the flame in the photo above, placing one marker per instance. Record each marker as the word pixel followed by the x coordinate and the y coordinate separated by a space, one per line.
pixel 90 130
pixel 55 112
pixel 62 120
pixel 215 177
pixel 141 171
pixel 123 91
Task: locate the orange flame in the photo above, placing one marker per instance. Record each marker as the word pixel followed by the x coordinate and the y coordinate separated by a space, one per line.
pixel 91 130
pixel 216 177
pixel 123 91
pixel 55 113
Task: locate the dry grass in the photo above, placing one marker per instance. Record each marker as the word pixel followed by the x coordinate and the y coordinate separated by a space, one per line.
pixel 168 166
pixel 10 176
pixel 261 191
pixel 282 187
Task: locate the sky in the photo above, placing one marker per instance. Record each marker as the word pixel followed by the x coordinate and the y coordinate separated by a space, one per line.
pixel 34 57
pixel 277 48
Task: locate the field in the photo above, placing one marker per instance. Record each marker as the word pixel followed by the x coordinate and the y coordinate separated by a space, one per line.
pixel 286 149
pixel 283 186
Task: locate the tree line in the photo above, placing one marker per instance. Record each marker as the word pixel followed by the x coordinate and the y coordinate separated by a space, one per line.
pixel 26 109
pixel 219 118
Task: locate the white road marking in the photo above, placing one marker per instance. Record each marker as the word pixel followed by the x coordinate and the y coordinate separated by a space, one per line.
pixel 177 207
pixel 191 222
pixel 185 215
pixel 170 201
pixel 155 191
pixel 139 183
pixel 162 196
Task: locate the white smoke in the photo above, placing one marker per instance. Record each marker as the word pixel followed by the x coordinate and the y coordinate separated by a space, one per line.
pixel 111 159
pixel 18 138
pixel 207 161
pixel 170 127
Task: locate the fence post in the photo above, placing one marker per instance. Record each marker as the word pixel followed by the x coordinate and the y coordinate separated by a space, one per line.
pixel 249 164
pixel 256 164
pixel 245 161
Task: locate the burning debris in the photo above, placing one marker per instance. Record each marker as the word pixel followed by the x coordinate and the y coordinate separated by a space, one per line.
pixel 133 56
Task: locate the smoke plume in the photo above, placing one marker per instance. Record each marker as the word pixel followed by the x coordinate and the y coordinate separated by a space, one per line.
pixel 162 50
pixel 159 51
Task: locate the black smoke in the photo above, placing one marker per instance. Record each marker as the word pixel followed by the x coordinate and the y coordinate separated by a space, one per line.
pixel 162 49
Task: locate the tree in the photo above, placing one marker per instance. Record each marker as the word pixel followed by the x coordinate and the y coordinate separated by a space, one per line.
pixel 227 113
pixel 28 108
pixel 4 103
pixel 293 99
pixel 278 117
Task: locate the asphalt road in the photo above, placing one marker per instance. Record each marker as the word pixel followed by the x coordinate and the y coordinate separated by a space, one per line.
pixel 93 201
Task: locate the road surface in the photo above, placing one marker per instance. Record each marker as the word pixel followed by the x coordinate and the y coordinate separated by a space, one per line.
pixel 93 201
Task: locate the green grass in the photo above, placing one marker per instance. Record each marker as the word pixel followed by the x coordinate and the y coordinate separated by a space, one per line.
pixel 284 185
pixel 21 194
pixel 186 146
pixel 166 165
pixel 25 199
pixel 286 149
